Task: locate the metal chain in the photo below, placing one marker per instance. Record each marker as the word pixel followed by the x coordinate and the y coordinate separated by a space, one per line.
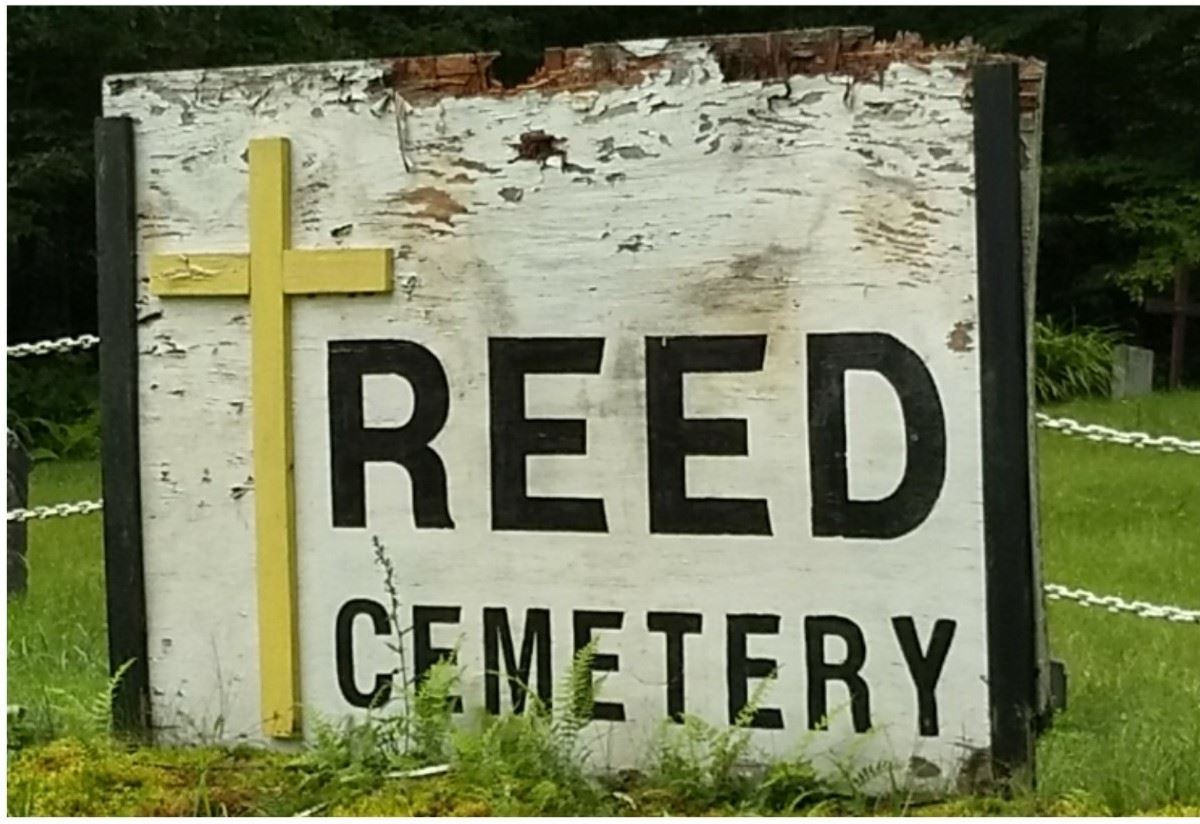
pixel 41 513
pixel 1116 604
pixel 1138 440
pixel 45 347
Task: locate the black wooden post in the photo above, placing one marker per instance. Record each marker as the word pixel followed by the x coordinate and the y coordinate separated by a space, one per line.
pixel 1012 665
pixel 119 454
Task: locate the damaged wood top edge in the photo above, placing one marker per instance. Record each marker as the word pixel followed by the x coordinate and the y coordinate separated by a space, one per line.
pixel 845 51
pixel 850 51
pixel 115 84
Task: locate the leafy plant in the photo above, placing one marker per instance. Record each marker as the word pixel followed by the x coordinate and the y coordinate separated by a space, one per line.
pixel 536 760
pixel 410 726
pixel 92 715
pixel 1167 230
pixel 432 721
pixel 705 765
pixel 53 407
pixel 577 698
pixel 1072 362
pixel 787 786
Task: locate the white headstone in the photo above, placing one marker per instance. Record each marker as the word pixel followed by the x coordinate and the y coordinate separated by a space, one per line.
pixel 1133 371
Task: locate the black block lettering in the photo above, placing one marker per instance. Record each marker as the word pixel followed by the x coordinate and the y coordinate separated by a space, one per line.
pixel 672 437
pixel 820 672
pixel 674 625
pixel 352 445
pixel 925 667
pixel 739 668
pixel 833 513
pixel 343 646
pixel 514 437
pixel 584 622
pixel 498 634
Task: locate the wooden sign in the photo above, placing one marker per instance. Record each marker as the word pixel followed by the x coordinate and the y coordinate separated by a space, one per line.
pixel 708 351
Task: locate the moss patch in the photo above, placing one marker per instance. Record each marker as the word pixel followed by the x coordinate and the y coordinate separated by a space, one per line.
pixel 70 777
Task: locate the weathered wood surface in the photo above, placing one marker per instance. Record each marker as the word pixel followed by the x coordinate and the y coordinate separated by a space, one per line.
pixel 651 188
pixel 1033 92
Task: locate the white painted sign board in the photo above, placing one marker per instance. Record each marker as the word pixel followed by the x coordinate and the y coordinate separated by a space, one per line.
pixel 679 352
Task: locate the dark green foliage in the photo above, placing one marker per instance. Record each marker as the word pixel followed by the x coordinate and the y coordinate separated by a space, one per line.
pixel 53 405
pixel 1072 363
pixel 1168 222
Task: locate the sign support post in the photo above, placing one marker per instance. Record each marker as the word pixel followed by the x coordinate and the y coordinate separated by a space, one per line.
pixel 1006 412
pixel 120 459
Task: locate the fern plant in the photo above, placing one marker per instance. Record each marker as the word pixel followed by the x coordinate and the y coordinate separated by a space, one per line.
pixel 704 765
pixel 536 760
pixel 93 715
pixel 432 717
pixel 577 697
pixel 356 751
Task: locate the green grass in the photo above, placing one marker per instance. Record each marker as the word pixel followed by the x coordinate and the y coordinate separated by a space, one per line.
pixel 56 632
pixel 1123 521
pixel 1114 520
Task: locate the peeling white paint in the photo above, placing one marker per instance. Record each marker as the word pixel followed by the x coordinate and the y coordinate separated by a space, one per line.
pixel 683 205
pixel 645 48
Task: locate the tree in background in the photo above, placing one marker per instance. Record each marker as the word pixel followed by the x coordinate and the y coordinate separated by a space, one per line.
pixel 1121 202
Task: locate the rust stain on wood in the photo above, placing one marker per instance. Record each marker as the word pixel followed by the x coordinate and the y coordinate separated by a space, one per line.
pixel 435 204
pixel 959 339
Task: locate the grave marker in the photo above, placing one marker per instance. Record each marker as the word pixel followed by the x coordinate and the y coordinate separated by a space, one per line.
pixel 1133 371
pixel 712 350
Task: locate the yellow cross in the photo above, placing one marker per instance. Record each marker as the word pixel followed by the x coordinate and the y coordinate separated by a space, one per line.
pixel 269 274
